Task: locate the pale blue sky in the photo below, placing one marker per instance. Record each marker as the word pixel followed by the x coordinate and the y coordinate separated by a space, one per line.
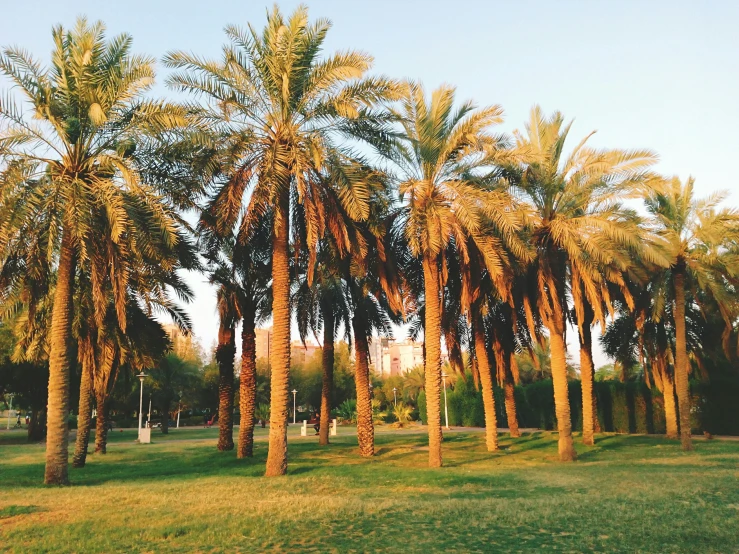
pixel 656 74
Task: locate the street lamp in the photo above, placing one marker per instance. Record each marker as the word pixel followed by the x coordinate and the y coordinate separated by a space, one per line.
pixel 395 396
pixel 295 393
pixel 446 411
pixel 141 377
pixel 179 409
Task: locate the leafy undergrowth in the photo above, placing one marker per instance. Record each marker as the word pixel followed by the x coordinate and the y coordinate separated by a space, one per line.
pixel 628 493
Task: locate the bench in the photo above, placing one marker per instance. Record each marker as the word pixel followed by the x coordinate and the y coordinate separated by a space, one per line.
pixel 304 428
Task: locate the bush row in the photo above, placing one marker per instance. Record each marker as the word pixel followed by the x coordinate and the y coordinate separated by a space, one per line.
pixel 629 407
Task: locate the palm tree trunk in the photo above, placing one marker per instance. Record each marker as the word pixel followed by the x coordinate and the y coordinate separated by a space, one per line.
pixel 668 393
pixel 280 354
pixel 365 427
pixel 84 414
pixel 681 359
pixel 587 376
pixel 225 353
pixel 166 404
pixel 475 373
pixel 556 326
pixel 57 437
pixel 327 384
pixel 486 380
pixel 101 427
pixel 510 409
pixel 247 387
pixel 432 341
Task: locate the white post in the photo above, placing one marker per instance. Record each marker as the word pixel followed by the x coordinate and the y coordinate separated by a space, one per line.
pixel 179 409
pixel 333 427
pixel 446 411
pixel 148 417
pixel 141 377
pixel 10 409
pixel 304 428
pixel 395 396
pixel 295 393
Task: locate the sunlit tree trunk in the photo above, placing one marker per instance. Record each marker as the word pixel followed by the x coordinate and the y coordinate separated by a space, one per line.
pixel 668 393
pixel 60 337
pixel 486 380
pixel 365 426
pixel 225 353
pixel 280 353
pixel 556 326
pixel 84 414
pixel 681 359
pixel 101 420
pixel 432 340
pixel 510 408
pixel 106 383
pixel 587 376
pixel 475 373
pixel 247 387
pixel 327 383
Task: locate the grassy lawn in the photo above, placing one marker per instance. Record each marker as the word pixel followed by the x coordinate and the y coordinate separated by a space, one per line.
pixel 629 493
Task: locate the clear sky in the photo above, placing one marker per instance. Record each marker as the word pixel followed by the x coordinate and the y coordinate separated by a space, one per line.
pixel 656 74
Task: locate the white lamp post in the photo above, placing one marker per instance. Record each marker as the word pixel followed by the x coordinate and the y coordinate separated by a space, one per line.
pixel 10 408
pixel 395 396
pixel 179 409
pixel 148 417
pixel 141 377
pixel 446 411
pixel 295 393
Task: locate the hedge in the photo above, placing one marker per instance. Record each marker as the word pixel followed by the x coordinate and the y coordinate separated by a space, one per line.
pixel 629 407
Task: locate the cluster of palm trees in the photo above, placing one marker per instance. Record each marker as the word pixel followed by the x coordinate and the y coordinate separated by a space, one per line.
pixel 350 201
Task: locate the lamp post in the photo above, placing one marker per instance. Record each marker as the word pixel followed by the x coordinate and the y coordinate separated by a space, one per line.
pixel 148 417
pixel 395 396
pixel 179 409
pixel 141 377
pixel 446 411
pixel 295 396
pixel 10 408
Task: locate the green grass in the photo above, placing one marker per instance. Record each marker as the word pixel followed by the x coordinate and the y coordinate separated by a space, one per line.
pixel 628 494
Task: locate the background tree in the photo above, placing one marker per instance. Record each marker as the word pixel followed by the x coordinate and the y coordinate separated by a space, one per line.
pixel 436 161
pixel 580 230
pixel 76 156
pixel 700 238
pixel 282 109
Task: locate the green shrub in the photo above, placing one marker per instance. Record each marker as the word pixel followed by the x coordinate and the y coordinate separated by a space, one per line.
pixel 421 401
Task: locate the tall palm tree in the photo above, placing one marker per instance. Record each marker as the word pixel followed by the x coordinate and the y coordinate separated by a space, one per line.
pixel 282 108
pixel 75 157
pixel 699 237
pixel 438 159
pixel 580 231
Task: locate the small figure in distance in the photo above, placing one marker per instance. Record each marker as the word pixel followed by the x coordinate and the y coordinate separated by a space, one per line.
pixel 316 421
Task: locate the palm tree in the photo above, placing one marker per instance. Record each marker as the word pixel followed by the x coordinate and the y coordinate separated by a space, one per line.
pixel 228 295
pixel 254 273
pixel 281 108
pixel 75 158
pixel 699 237
pixel 323 306
pixel 438 160
pixel 581 232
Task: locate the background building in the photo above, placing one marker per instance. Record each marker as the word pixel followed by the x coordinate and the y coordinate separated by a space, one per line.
pixel 395 358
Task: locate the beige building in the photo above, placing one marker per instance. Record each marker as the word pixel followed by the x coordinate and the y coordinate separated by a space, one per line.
pixel 264 342
pixel 300 353
pixel 395 358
